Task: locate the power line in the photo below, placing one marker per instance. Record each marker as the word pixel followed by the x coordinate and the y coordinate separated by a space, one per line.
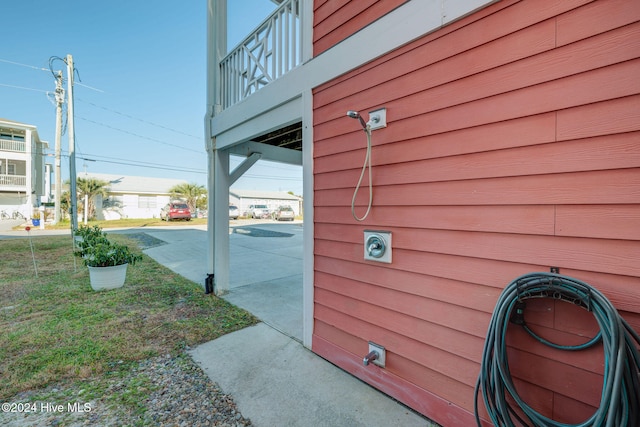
pixel 137 135
pixel 139 119
pixel 50 69
pixel 130 163
pixel 144 164
pixel 116 160
pixel 124 162
pixel 149 166
pixel 23 65
pixel 89 87
pixel 25 88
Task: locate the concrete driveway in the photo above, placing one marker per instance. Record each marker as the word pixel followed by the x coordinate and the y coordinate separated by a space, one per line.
pixel 265 265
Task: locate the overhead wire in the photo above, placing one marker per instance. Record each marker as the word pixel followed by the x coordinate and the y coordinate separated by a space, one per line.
pixel 23 65
pixel 138 119
pixel 163 167
pixel 25 88
pixel 54 58
pixel 136 135
pixel 125 162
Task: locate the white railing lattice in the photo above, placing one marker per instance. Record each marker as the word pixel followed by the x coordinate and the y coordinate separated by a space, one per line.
pixel 271 51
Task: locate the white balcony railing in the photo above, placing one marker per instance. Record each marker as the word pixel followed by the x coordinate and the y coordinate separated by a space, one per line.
pixel 12 145
pixel 274 49
pixel 13 180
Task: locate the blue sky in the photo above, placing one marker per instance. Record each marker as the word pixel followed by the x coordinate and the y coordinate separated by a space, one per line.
pixel 140 93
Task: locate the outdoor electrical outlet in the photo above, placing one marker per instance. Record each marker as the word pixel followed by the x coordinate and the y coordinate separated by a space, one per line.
pixel 378 118
pixel 377 246
pixel 382 354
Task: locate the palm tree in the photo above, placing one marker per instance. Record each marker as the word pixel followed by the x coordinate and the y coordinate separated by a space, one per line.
pixel 190 192
pixel 92 188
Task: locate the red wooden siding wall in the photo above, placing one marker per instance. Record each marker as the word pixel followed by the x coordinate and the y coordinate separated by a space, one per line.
pixel 335 20
pixel 513 145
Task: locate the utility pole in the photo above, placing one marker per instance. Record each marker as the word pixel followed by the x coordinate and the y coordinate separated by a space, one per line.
pixel 59 102
pixel 72 151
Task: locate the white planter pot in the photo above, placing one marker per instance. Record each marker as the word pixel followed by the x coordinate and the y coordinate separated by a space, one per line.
pixel 102 278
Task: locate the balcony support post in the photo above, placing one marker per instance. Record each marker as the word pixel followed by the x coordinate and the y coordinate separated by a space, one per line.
pixel 217 242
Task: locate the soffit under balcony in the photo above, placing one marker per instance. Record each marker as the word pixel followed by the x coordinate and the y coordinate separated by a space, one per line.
pixel 286 137
pixel 282 145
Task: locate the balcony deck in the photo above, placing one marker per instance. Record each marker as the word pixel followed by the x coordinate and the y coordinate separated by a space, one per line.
pixel 12 181
pixel 13 145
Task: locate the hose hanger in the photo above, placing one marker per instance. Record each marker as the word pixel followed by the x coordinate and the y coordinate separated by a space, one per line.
pixel 552 287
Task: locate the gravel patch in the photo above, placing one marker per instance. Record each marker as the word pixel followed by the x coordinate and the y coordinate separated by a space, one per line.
pixel 173 391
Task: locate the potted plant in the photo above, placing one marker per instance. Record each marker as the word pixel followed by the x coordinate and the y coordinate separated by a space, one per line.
pixel 35 218
pixel 107 261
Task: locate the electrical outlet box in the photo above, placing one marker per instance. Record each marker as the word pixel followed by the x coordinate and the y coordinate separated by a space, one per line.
pixel 377 246
pixel 381 360
pixel 378 118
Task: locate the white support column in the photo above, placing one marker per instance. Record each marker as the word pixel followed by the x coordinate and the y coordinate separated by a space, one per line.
pixel 211 214
pixel 221 221
pixel 216 49
pixel 30 170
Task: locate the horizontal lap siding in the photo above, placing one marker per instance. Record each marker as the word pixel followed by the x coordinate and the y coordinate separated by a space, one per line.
pixel 335 20
pixel 513 145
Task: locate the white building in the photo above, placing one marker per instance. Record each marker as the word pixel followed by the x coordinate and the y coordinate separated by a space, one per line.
pixel 22 168
pixel 132 196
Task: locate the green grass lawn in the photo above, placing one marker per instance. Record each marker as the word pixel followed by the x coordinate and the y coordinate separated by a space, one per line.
pixel 128 222
pixel 56 329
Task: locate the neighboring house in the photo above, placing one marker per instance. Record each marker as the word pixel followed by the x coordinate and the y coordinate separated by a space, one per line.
pixel 22 168
pixel 243 199
pixel 132 196
pixel 511 146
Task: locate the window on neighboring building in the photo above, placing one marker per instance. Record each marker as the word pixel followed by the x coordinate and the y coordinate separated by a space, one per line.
pixel 11 136
pixel 11 169
pixel 146 202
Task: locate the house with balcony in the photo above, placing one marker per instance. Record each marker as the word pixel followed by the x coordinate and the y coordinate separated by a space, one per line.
pixel 22 168
pixel 505 140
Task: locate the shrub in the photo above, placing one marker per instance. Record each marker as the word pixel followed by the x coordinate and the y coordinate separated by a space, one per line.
pixel 97 250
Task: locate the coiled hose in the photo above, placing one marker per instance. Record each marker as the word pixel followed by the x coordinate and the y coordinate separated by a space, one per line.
pixel 620 400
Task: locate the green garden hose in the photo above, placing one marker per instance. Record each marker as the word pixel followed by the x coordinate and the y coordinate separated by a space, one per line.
pixel 620 400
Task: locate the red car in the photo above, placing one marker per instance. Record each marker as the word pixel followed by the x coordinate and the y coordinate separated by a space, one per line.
pixel 175 210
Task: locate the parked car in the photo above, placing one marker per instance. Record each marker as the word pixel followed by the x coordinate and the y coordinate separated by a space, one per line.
pixel 234 212
pixel 175 210
pixel 284 213
pixel 258 211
